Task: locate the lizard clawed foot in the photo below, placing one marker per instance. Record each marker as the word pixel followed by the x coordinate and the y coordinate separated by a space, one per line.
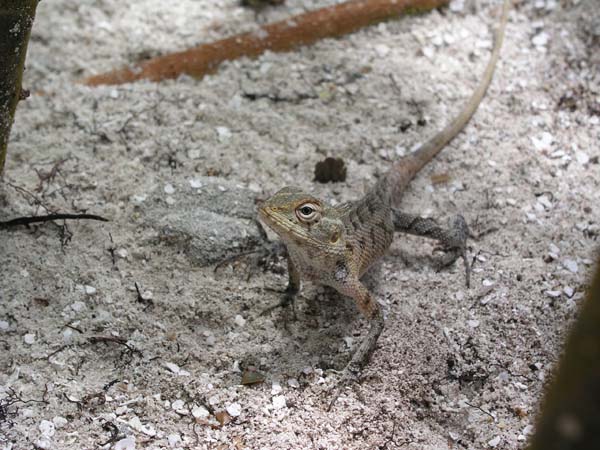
pixel 264 256
pixel 350 377
pixel 288 299
pixel 454 245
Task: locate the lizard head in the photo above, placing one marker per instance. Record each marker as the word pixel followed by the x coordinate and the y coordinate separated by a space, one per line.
pixel 301 219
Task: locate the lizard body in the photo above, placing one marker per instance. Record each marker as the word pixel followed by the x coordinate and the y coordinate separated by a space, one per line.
pixel 335 245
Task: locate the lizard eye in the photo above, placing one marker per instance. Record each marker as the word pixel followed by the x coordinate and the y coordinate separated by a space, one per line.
pixel 308 212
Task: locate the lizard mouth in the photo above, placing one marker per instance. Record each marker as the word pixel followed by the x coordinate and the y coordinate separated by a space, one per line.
pixel 287 230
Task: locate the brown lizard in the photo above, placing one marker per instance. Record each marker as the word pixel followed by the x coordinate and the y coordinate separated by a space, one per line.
pixel 335 245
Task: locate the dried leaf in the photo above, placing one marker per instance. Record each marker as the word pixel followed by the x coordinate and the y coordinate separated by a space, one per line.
pixel 440 178
pixel 250 377
pixel 223 417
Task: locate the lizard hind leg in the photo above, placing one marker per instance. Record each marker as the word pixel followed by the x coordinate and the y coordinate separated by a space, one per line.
pixel 371 309
pixel 452 240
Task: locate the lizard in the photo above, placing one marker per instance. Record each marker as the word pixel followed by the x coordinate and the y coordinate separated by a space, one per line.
pixel 335 245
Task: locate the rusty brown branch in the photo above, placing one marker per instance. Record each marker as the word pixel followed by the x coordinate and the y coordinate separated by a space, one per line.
pixel 280 36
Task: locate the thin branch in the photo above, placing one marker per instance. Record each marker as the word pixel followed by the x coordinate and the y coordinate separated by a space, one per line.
pixel 47 218
pixel 285 35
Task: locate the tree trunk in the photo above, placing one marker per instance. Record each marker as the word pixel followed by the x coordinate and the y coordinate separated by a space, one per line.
pixel 570 417
pixel 16 18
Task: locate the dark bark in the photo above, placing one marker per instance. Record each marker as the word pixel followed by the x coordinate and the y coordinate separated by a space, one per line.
pixel 16 19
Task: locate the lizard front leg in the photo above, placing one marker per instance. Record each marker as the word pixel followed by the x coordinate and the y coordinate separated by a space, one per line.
pixel 372 311
pixel 453 239
pixel 292 288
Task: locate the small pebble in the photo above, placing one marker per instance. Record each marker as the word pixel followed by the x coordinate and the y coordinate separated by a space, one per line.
pixel 78 306
pixel 125 444
pixel 292 382
pixel 224 133
pixel 4 325
pixel 239 320
pixel 178 405
pixel 90 290
pixel 494 442
pixel 569 291
pixel 195 183
pixel 173 440
pixel 540 39
pixel 553 294
pixel 349 341
pixel 276 388
pixel 169 189
pixel 122 253
pixel 279 402
pixel 47 428
pixel 382 50
pixel 200 412
pixel 543 141
pixel 59 422
pixel 473 323
pixel 194 153
pixel 570 265
pixel 582 158
pixel 29 338
pixel 234 409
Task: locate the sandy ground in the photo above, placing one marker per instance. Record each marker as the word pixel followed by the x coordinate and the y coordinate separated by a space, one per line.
pixel 87 362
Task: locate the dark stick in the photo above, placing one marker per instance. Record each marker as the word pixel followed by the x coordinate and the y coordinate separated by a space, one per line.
pixel 47 218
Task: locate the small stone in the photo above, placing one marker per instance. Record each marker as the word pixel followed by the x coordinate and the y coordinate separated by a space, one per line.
pixel 293 382
pixel 487 282
pixel 195 183
pixel 122 253
pixel 473 323
pixel 29 338
pixel 279 402
pixel 239 320
pixel 173 440
pixel 569 291
pixel 543 141
pixel 169 189
pixel 541 39
pixel 176 369
pixel 4 325
pixel 349 341
pixel 59 422
pixel 553 249
pixel 494 442
pixel 276 388
pixel 47 428
pixel 78 306
pixel 224 133
pixel 211 340
pixel 200 412
pixel 570 265
pixel 194 153
pixel 428 52
pixel 382 50
pixel 89 290
pixel 553 294
pixel 234 409
pixel 178 405
pixel 125 444
pixel 582 158
pixel 545 202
